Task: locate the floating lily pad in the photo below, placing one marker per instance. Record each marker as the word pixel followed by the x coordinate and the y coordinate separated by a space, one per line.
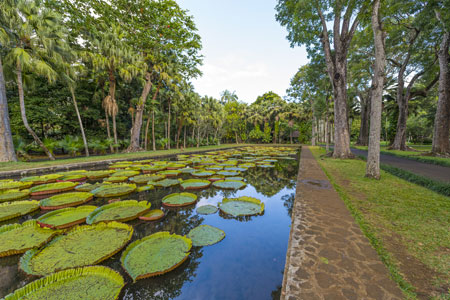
pixel 170 173
pixel 66 200
pixel 205 235
pixel 228 173
pixel 155 254
pixel 175 166
pixel 195 184
pixel 66 217
pixel 11 210
pixel 18 238
pixel 52 188
pixel 214 168
pixel 265 166
pixel 126 173
pixel 152 215
pixel 179 199
pixel 81 246
pixel 165 183
pixel 144 188
pixel 115 179
pixel 8 185
pixel 87 187
pixel 237 169
pixel 242 206
pixel 73 178
pixel 114 190
pixel 239 178
pixel 10 195
pixel 203 173
pixel 143 179
pixel 216 178
pixel 187 170
pixel 121 211
pixel 99 174
pixel 93 283
pixel 229 184
pixel 42 179
pixel 152 169
pixel 207 209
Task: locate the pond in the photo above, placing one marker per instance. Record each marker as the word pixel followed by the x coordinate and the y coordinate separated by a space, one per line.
pixel 247 264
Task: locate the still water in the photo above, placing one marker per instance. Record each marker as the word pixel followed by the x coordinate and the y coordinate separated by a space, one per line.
pixel 247 264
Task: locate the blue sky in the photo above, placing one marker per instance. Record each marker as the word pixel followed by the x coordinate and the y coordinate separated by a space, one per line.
pixel 244 48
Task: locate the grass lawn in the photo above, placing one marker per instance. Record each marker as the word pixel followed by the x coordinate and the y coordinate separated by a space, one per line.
pixel 407 224
pixel 8 166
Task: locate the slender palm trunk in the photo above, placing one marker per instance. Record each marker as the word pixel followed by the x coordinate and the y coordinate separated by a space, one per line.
pixel 108 131
pixel 313 131
pixel 112 94
pixel 168 127
pixel 24 116
pixel 146 130
pixel 136 129
pixel 198 136
pixel 184 138
pixel 327 136
pixel 180 126
pixel 86 148
pixel 7 152
pixel 153 130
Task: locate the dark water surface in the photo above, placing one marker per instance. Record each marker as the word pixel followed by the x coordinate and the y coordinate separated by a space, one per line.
pixel 247 264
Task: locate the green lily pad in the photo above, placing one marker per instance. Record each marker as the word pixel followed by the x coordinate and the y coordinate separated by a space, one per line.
pixel 116 179
pixel 236 169
pixel 203 173
pixel 73 178
pixel 98 174
pixel 18 238
pixel 205 235
pixel 9 185
pixel 216 178
pixel 114 190
pixel 87 187
pixel 10 195
pixel 179 199
pixel 228 184
pixel 143 179
pixel 42 179
pixel 170 173
pixel 93 283
pixel 126 173
pixel 121 211
pixel 165 183
pixel 214 168
pixel 195 184
pixel 175 166
pixel 66 200
pixel 228 173
pixel 207 209
pixel 152 169
pixel 66 217
pixel 81 246
pixel 52 188
pixel 265 166
pixel 144 188
pixel 155 254
pixel 242 206
pixel 11 210
pixel 152 215
pixel 187 170
pixel 239 178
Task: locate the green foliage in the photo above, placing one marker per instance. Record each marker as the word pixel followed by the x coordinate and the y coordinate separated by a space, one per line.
pixel 267 138
pixel 205 235
pixel 256 133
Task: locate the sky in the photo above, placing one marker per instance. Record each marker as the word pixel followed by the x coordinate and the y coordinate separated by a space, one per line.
pixel 245 49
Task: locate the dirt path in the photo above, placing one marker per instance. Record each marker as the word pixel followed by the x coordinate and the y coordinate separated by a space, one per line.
pixel 436 172
pixel 328 256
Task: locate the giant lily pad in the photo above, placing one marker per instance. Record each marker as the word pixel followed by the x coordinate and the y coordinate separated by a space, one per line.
pixel 152 169
pixel 203 173
pixel 11 210
pixel 93 283
pixel 114 190
pixel 119 211
pixel 42 179
pixel 66 200
pixel 98 174
pixel 229 184
pixel 144 188
pixel 207 209
pixel 87 187
pixel 115 179
pixel 179 199
pixel 52 188
pixel 228 173
pixel 73 178
pixel 152 215
pixel 66 217
pixel 81 246
pixel 10 195
pixel 18 238
pixel 205 235
pixel 126 173
pixel 155 254
pixel 242 206
pixel 195 184
pixel 143 179
pixel 170 173
pixel 165 183
pixel 175 166
pixel 7 185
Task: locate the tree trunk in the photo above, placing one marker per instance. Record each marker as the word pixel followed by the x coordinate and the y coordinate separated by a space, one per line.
pixel 184 137
pixel 146 130
pixel 236 135
pixel 441 143
pixel 112 94
pixel 7 152
pixel 136 129
pixel 327 137
pixel 108 131
pixel 198 136
pixel 373 156
pixel 24 116
pixel 180 126
pixel 86 148
pixel 153 130
pixel 313 133
pixel 168 127
pixel 363 138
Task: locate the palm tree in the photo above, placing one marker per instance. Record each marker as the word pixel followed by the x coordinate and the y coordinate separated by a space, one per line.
pixel 35 39
pixel 227 96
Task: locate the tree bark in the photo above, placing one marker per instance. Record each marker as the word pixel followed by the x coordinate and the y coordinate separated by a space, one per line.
pixel 136 129
pixel 112 94
pixel 313 133
pixel 146 130
pixel 168 126
pixel 7 152
pixel 180 126
pixel 153 130
pixel 86 148
pixel 363 138
pixel 327 137
pixel 441 143
pixel 184 137
pixel 24 116
pixel 373 156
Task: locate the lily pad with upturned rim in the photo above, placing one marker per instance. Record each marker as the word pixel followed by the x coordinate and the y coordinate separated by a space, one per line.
pixel 66 217
pixel 195 184
pixel 155 254
pixel 42 178
pixel 73 178
pixel 81 246
pixel 121 211
pixel 153 215
pixel 98 174
pixel 242 206
pixel 116 179
pixel 143 179
pixel 65 200
pixel 114 190
pixel 165 183
pixel 87 187
pixel 147 187
pixel 9 185
pixel 93 283
pixel 11 195
pixel 202 173
pixel 11 210
pixel 228 173
pixel 207 209
pixel 179 199
pixel 206 235
pixel 52 188
pixel 19 238
pixel 170 173
pixel 229 184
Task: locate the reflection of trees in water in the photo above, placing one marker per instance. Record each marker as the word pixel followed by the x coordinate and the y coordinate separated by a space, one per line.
pixel 270 181
pixel 239 218
pixel 276 294
pixel 289 202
